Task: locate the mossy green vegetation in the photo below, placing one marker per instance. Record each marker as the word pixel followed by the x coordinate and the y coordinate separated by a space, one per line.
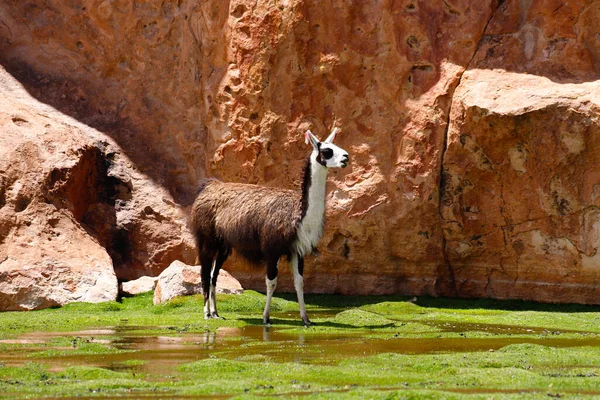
pixel 360 347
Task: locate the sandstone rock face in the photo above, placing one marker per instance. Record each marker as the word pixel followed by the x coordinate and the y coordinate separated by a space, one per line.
pixel 185 280
pixel 227 89
pixel 470 126
pixel 141 285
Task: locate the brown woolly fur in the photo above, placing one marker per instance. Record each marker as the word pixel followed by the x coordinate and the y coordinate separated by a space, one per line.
pixel 259 222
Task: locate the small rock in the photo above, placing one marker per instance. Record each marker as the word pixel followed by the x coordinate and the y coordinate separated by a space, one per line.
pixel 140 285
pixel 183 280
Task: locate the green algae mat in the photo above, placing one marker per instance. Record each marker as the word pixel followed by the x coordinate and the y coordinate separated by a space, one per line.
pixel 360 347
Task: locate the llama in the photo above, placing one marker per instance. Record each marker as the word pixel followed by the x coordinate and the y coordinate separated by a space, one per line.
pixel 264 223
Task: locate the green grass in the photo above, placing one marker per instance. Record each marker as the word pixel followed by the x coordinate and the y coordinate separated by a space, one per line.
pixel 361 347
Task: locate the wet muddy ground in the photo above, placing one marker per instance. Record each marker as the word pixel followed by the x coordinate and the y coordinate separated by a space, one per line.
pixel 378 350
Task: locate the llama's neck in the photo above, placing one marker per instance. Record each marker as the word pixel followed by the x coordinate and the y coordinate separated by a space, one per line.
pixel 310 228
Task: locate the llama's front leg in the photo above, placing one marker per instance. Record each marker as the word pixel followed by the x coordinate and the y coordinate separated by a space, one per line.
pixel 271 281
pixel 298 269
pixel 212 294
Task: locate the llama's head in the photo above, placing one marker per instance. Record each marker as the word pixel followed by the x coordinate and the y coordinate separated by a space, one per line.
pixel 328 154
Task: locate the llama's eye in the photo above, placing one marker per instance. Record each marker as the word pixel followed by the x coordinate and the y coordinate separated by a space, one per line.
pixel 327 153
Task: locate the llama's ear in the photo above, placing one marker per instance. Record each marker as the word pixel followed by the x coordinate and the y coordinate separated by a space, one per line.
pixel 332 135
pixel 312 139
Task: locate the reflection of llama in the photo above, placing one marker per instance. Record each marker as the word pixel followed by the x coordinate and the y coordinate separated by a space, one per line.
pixel 264 223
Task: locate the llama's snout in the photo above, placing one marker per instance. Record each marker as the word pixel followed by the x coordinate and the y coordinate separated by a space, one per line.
pixel 345 160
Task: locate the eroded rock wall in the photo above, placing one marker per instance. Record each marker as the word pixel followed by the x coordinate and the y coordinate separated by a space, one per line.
pixel 227 88
pixel 385 74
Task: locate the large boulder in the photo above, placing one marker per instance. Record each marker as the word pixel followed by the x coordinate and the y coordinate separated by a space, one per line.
pixel 73 210
pixel 522 188
pixel 47 258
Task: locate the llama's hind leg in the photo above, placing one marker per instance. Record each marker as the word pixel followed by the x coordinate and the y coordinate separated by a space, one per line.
pixel 271 281
pixel 221 257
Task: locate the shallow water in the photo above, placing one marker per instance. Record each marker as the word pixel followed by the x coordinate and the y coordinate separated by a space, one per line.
pixel 497 329
pixel 162 352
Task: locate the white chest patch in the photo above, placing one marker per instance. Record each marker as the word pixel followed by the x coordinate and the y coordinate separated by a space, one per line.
pixel 311 226
pixel 309 232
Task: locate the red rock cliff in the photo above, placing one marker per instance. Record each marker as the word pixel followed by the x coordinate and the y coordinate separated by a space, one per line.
pixel 472 129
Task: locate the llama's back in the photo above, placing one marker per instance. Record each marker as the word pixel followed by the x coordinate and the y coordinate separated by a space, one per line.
pixel 255 220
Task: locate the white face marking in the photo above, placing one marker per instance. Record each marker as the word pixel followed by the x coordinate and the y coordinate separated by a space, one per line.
pixel 333 156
